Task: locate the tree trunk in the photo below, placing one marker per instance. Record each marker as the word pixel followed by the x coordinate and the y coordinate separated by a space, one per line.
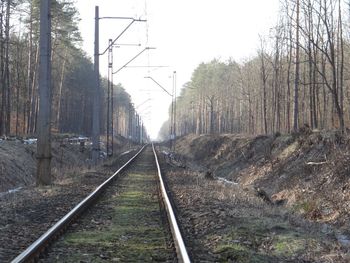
pixel 297 70
pixel 7 69
pixel 2 74
pixel 341 72
pixel 60 87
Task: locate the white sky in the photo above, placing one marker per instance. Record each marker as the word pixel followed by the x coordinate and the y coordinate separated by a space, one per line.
pixel 184 33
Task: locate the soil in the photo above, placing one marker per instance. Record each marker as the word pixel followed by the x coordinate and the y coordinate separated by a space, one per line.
pixel 223 223
pixel 281 198
pixel 307 172
pixel 278 198
pixel 18 160
pixel 17 165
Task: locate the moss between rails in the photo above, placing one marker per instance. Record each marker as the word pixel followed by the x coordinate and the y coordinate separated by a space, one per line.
pixel 135 231
pixel 263 240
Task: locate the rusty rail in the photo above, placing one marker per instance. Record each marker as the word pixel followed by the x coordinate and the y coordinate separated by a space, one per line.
pixel 180 247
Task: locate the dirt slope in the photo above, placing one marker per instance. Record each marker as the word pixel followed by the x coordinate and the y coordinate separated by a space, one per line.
pixel 308 172
pixel 18 161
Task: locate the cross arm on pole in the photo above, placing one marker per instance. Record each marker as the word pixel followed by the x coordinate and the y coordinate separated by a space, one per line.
pixel 126 28
pixel 146 48
pixel 119 17
pixel 143 103
pixel 149 77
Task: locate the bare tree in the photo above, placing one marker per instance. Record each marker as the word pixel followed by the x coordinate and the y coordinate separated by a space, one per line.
pixel 297 70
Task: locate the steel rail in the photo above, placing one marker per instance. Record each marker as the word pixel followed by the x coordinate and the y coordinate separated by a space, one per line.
pixel 180 247
pixel 33 251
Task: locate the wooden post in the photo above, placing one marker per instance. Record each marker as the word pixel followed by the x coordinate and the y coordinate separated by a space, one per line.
pixel 44 117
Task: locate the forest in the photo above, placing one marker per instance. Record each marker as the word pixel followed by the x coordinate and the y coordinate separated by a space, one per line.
pixel 299 77
pixel 72 74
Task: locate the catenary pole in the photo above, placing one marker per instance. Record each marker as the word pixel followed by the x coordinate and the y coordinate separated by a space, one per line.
pixel 96 99
pixel 172 120
pixel 174 79
pixel 108 103
pixel 44 116
pixel 112 96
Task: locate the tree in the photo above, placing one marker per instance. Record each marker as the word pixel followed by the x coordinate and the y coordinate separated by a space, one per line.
pixel 297 70
pixel 307 52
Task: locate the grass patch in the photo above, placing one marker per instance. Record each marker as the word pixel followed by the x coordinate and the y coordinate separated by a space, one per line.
pixel 289 244
pixel 306 207
pixel 235 252
pixel 262 240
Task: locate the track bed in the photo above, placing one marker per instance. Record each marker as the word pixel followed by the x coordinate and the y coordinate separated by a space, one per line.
pixel 127 223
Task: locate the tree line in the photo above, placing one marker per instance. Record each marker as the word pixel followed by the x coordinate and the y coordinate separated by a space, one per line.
pixel 299 76
pixel 72 74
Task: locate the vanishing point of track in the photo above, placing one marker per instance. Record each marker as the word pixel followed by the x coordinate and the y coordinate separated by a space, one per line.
pixel 126 213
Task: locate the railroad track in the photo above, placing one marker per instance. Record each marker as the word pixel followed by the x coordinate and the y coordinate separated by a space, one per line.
pixel 122 221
